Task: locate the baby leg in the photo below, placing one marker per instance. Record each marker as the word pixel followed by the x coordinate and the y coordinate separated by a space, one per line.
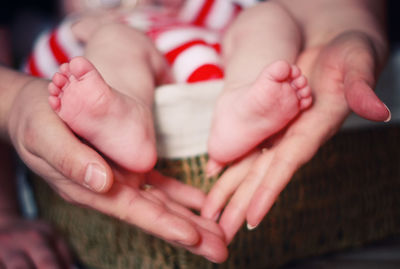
pixel 128 60
pixel 257 101
pixel 91 20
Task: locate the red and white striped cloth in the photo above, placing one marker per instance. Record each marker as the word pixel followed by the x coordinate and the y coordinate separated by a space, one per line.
pixel 189 41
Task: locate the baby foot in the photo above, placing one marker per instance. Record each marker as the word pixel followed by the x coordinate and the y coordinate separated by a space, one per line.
pixel 246 116
pixel 117 125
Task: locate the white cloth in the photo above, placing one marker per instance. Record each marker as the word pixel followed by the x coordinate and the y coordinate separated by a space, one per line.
pixel 183 115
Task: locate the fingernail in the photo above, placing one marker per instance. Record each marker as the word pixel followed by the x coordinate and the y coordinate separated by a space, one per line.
pixel 251 227
pixel 390 114
pixel 95 177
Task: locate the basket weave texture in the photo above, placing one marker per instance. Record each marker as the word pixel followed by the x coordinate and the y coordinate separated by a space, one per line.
pixel 346 196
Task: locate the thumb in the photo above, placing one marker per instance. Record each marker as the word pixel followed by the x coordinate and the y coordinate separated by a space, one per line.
pixel 364 102
pixel 57 146
pixel 359 79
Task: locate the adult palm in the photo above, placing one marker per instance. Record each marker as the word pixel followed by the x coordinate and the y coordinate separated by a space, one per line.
pixel 51 150
pixel 341 73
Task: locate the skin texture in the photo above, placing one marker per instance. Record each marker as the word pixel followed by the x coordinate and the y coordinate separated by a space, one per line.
pixel 52 151
pixel 341 59
pixel 246 116
pixel 75 171
pixel 99 114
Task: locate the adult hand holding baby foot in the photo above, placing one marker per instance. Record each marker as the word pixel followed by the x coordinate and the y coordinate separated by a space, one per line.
pixel 52 151
pixel 342 69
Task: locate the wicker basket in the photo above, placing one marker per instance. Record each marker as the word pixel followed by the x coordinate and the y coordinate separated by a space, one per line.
pixel 346 196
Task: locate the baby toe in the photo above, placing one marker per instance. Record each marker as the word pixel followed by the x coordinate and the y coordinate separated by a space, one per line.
pixel 59 80
pixel 55 102
pixel 278 71
pixel 305 103
pixel 53 89
pixel 295 72
pixel 300 82
pixel 79 66
pixel 304 92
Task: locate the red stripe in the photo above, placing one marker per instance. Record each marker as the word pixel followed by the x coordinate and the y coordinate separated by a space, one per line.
pixel 32 67
pixel 205 10
pixel 171 55
pixel 153 33
pixel 237 9
pixel 217 47
pixel 206 72
pixel 57 50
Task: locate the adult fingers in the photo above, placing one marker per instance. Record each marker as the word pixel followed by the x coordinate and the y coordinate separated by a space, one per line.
pixel 226 186
pixel 157 219
pixel 186 213
pixel 57 243
pixel 359 73
pixel 175 196
pixel 364 102
pixel 359 61
pixel 235 212
pixel 12 258
pixel 277 164
pixel 183 194
pixel 292 152
pixel 212 244
pixel 213 167
pixel 127 203
pixel 33 241
pixel 44 255
pixel 64 253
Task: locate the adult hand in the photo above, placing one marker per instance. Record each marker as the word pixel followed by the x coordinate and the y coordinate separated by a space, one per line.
pixel 81 176
pixel 31 244
pixel 341 74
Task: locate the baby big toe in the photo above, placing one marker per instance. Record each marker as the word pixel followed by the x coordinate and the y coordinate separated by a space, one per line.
pixel 278 71
pixel 64 69
pixel 79 66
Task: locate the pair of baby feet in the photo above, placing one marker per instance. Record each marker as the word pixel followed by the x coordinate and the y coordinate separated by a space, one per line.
pixel 121 126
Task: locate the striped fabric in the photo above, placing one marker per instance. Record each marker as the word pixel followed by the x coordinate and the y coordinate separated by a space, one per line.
pixel 189 41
